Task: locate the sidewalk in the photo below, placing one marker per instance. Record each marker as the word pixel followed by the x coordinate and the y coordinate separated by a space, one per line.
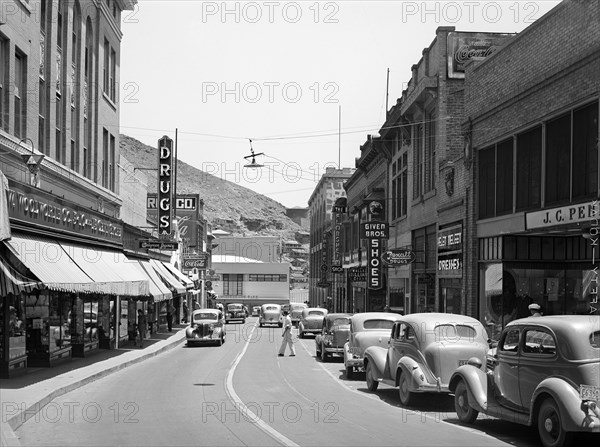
pixel 23 396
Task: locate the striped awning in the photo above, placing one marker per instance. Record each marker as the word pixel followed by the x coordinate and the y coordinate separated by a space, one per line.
pixel 171 281
pixel 158 290
pixel 187 282
pixel 73 268
pixel 12 282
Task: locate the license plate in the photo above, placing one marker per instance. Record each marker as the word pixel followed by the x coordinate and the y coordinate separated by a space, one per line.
pixel 354 350
pixel 589 392
pixel 462 362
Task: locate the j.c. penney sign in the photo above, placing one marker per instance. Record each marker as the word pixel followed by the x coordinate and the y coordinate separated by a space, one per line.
pixel 581 212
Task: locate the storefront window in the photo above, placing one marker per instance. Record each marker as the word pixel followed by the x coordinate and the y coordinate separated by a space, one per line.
pixel 90 320
pixel 37 312
pixel 59 322
pixel 398 289
pixel 15 306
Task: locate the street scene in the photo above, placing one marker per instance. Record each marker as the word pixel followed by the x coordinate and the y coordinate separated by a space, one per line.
pixel 345 223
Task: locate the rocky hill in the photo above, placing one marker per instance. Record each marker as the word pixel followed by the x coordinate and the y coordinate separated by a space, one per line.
pixel 228 206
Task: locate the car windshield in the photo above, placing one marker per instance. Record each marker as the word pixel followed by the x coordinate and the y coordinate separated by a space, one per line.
pixel 297 307
pixel 451 332
pixel 316 313
pixel 205 316
pixel 340 322
pixel 271 308
pixel 234 307
pixel 378 324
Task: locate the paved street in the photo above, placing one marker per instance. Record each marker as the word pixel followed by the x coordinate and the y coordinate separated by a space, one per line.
pixel 243 394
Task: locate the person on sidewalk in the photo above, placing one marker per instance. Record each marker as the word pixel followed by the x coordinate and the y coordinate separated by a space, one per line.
pixel 142 326
pixel 287 335
pixel 185 312
pixel 170 313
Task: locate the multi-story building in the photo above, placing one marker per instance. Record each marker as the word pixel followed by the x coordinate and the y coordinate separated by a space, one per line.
pixel 66 286
pixel 532 125
pixel 323 283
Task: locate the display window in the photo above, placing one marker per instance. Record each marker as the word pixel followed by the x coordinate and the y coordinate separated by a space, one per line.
pixel 15 307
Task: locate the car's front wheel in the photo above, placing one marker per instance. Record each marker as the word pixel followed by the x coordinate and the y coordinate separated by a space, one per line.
pixel 404 393
pixel 372 384
pixel 550 428
pixel 324 355
pixel 220 341
pixel 464 411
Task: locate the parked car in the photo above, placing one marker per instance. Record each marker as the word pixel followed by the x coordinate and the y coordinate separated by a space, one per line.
pixel 366 329
pixel 235 312
pixel 423 352
pixel 334 334
pixel 311 321
pixel 270 314
pixel 206 326
pixel 255 311
pixel 296 312
pixel 546 373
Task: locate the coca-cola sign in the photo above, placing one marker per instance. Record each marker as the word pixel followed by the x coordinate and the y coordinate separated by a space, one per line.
pixel 463 47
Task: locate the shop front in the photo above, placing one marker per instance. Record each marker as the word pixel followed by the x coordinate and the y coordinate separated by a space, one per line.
pixel 556 269
pixel 450 269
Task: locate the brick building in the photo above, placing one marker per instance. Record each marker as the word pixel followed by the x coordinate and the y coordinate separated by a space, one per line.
pixel 532 125
pixel 328 190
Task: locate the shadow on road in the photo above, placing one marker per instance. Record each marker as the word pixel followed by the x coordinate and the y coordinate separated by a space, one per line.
pixel 39 374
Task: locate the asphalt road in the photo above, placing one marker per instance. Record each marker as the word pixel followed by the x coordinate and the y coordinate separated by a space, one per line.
pixel 242 393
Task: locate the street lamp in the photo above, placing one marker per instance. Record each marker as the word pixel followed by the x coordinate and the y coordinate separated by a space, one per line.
pixel 253 163
pixel 33 162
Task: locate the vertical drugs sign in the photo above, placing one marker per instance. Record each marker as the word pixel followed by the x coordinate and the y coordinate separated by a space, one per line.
pixel 165 177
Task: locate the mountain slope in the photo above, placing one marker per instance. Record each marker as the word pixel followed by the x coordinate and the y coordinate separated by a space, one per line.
pixel 227 206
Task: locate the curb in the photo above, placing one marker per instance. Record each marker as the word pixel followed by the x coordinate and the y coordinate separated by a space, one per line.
pixel 9 439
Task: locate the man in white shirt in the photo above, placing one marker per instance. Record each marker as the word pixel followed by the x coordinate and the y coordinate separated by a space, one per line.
pixel 287 335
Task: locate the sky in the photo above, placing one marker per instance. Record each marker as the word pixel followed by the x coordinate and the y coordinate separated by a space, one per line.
pixel 306 81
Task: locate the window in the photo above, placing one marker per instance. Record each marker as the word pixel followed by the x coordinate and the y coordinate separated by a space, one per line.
pixel 400 183
pixel 113 75
pixel 538 341
pixel 430 129
pixel 558 160
pixel 510 342
pixel 378 324
pixel 42 116
pixel 106 66
pixel 19 96
pixel 504 176
pixel 104 158
pixel 585 151
pixel 232 284
pixel 529 172
pixel 418 161
pixel 267 277
pixel 111 165
pixel 487 181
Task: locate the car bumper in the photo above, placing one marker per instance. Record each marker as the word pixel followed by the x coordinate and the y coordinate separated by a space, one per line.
pixel 334 350
pixel 205 339
pixel 355 362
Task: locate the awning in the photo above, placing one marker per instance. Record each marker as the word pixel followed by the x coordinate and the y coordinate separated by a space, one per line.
pixel 172 282
pixel 157 288
pixel 187 282
pixel 110 268
pixel 79 269
pixel 12 282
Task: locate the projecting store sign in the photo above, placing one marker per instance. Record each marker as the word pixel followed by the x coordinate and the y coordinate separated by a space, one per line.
pixel 165 196
pixel 374 230
pixel 395 258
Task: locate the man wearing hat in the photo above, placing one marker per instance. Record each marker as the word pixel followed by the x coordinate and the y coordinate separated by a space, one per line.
pixel 287 335
pixel 535 310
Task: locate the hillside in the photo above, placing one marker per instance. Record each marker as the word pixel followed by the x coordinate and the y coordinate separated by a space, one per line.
pixel 227 206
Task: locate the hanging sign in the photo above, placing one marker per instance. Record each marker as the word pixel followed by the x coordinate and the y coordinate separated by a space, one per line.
pixel 165 176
